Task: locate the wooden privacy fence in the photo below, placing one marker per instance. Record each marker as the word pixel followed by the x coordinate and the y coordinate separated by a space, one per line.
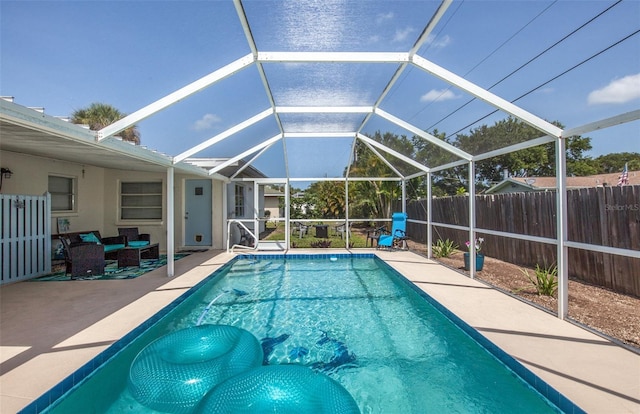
pixel 25 237
pixel 604 216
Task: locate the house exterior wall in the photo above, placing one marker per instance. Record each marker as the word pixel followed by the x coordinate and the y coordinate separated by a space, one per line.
pixel 157 229
pixel 97 196
pixel 272 204
pixel 31 177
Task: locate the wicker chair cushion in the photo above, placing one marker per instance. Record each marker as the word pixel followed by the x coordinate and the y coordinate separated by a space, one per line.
pixel 90 238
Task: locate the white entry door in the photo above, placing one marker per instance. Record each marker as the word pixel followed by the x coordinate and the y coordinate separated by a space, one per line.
pixel 198 213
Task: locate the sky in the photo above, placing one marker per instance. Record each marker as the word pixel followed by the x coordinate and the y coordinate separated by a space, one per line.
pixel 64 55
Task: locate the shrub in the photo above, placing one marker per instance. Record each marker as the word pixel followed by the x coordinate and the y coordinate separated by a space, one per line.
pixel 443 248
pixel 321 243
pixel 546 279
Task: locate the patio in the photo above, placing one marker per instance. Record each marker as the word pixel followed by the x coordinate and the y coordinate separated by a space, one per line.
pixel 594 373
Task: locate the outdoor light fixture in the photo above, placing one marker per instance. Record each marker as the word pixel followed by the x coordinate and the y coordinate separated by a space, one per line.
pixel 6 173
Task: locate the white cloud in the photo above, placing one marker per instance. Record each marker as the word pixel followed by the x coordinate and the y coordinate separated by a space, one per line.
pixel 440 42
pixel 435 95
pixel 401 35
pixel 206 122
pixel 383 17
pixel 618 91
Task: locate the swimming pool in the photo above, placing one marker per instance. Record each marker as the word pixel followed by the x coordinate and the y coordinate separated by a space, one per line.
pixel 350 317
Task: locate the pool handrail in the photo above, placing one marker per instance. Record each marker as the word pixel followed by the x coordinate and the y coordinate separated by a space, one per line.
pixel 240 246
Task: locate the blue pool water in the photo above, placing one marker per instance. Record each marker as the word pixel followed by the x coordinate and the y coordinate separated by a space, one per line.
pixel 353 319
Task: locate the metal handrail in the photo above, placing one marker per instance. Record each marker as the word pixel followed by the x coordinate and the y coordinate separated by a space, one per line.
pixel 240 246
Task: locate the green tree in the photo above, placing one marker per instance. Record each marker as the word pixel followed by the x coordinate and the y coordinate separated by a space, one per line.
pixel 614 162
pixel 445 182
pixel 538 161
pixel 326 199
pixel 375 198
pixel 99 115
pixel 298 203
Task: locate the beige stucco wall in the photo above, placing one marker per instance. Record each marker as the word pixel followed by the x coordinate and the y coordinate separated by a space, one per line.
pixel 97 201
pixel 31 177
pixel 272 204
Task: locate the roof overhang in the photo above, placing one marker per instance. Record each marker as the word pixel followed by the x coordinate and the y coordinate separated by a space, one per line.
pixel 30 132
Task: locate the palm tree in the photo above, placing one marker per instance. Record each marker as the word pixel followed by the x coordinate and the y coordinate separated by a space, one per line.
pixel 99 115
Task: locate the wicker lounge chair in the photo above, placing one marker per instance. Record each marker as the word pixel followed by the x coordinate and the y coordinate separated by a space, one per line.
pixel 133 237
pixel 82 258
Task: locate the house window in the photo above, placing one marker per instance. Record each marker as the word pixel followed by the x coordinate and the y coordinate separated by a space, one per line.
pixel 141 200
pixel 239 201
pixel 62 190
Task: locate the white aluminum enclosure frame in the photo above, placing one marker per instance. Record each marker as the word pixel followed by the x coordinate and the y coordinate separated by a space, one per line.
pixel 550 132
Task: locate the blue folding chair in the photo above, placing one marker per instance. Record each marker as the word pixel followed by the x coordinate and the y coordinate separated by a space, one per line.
pixel 398 231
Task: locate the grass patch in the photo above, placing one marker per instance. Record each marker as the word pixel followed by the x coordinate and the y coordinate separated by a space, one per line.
pixel 356 239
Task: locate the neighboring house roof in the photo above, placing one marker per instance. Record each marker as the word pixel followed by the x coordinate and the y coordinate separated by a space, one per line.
pixel 549 183
pixel 270 191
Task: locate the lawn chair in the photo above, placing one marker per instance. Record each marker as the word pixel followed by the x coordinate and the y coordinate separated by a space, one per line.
pixel 342 228
pixel 398 235
pixel 302 229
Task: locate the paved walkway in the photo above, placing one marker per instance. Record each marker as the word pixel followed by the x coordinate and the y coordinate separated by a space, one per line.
pixel 50 329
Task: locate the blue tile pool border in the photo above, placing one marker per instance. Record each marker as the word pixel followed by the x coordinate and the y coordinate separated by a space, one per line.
pixel 50 398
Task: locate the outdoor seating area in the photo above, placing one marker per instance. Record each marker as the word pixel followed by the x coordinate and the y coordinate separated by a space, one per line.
pixel 85 253
pixel 133 238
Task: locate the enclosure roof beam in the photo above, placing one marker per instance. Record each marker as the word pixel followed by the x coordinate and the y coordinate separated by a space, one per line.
pixel 223 135
pixel 175 97
pixel 449 165
pixel 569 132
pixel 333 57
pixel 319 134
pixel 424 36
pixel 425 135
pixel 603 123
pixel 515 147
pixel 248 152
pixel 416 175
pixel 375 178
pixel 396 154
pixel 435 19
pixel 484 95
pixel 324 109
pixel 352 153
pixel 251 161
pixel 375 151
pixel 263 77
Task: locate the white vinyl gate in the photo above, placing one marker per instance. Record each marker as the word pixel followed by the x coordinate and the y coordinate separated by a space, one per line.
pixel 25 237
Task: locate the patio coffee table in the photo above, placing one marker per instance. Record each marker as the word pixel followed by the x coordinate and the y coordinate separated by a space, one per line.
pixel 130 256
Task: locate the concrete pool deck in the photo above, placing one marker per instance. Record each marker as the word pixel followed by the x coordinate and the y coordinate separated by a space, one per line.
pixel 50 329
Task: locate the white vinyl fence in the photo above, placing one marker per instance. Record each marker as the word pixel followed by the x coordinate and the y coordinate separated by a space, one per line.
pixel 25 237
